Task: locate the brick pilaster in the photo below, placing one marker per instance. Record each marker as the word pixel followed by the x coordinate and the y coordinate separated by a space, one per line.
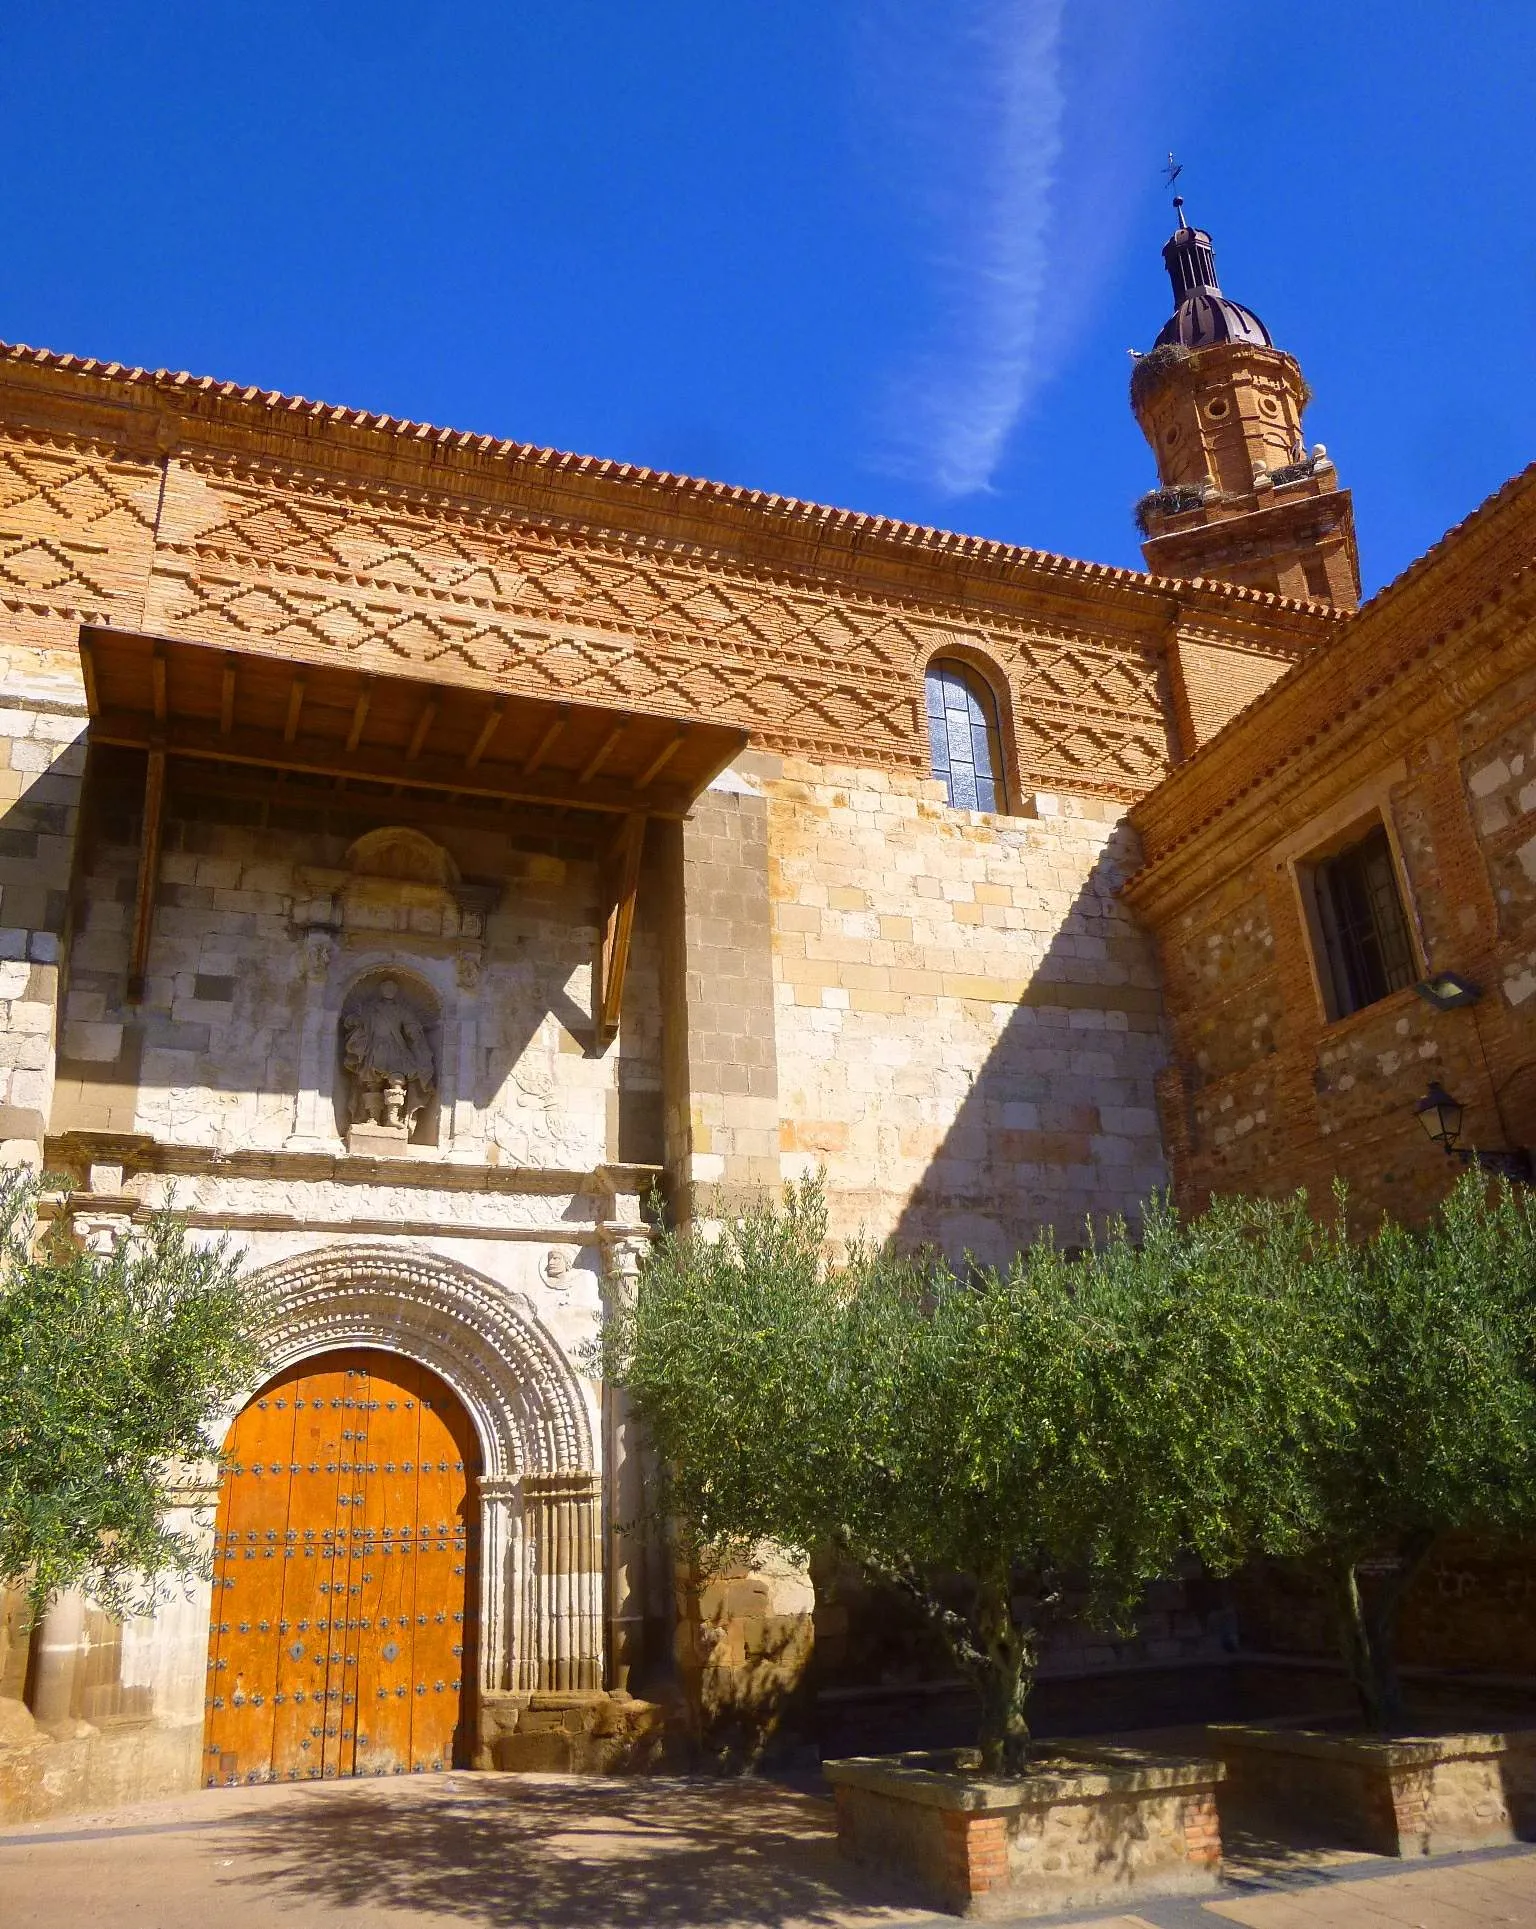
pixel 975 1854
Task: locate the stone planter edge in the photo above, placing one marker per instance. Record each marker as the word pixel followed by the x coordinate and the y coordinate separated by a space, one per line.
pixel 1374 1751
pixel 1106 1771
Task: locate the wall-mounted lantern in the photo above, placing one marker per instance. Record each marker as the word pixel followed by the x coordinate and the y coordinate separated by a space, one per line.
pixel 1448 991
pixel 1441 1116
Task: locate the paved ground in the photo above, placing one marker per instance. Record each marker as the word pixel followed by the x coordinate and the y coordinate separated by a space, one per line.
pixel 551 1852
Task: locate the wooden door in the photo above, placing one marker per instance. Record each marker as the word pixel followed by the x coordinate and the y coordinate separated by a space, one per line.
pixel 342 1634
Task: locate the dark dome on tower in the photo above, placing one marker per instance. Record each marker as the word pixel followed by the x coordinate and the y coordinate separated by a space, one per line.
pixel 1204 315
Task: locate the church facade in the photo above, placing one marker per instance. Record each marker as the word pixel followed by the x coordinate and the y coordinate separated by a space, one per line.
pixel 419 849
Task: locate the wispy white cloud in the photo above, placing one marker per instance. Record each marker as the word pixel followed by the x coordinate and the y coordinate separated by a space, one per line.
pixel 1007 122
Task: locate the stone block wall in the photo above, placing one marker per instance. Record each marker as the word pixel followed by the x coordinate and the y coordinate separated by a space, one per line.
pixel 240 988
pixel 722 1085
pixel 42 762
pixel 1471 1609
pixel 968 1022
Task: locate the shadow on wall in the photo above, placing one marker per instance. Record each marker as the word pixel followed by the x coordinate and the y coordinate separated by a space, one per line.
pixel 1060 1123
pixel 226 893
pixel 593 1854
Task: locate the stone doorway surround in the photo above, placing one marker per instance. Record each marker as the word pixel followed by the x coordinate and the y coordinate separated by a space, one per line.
pixel 541 1530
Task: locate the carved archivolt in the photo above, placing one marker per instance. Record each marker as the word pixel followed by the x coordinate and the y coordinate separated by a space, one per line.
pixel 489 1345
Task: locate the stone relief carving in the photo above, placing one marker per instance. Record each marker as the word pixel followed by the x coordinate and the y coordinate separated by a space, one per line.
pixel 387 1056
pixel 319 950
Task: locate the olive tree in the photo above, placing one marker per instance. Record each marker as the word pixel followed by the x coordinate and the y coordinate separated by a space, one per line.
pixel 1430 1335
pixel 113 1367
pixel 1056 1423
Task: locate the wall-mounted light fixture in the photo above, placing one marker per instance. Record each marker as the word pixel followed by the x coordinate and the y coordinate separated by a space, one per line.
pixel 1448 991
pixel 1441 1116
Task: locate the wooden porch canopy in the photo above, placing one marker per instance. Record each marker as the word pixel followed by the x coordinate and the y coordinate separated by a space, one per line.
pixel 274 712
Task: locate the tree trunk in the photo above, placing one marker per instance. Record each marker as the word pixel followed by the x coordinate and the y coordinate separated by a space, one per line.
pixel 1004 1676
pixel 1368 1631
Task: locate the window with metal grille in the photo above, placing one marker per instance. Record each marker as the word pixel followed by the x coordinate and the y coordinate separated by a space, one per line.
pixel 963 736
pixel 1368 952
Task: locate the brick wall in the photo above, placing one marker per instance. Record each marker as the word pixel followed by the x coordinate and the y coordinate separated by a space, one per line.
pixel 1421 716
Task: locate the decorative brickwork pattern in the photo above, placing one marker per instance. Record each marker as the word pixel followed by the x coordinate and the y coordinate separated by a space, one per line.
pixel 258 521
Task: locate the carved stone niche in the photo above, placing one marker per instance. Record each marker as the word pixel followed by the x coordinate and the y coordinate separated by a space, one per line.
pixel 398 883
pixel 389 1050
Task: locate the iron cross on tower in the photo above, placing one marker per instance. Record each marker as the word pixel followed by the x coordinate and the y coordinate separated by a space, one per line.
pixel 1171 174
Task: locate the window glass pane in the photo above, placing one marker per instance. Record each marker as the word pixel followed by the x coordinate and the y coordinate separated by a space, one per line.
pixel 1366 934
pixel 962 733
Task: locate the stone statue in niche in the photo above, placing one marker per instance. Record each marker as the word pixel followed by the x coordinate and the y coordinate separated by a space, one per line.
pixel 388 1060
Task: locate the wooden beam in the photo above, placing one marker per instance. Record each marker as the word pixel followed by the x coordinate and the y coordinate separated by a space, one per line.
pixel 488 730
pixel 360 714
pixel 227 697
pixel 266 749
pixel 423 724
pixel 618 925
pixel 88 672
pixel 603 752
pixel 660 761
pixel 157 681
pixel 546 743
pixel 149 873
pixel 528 825
pixel 295 705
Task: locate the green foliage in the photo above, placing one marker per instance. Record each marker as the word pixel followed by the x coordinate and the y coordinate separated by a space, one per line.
pixel 1024 1430
pixel 112 1370
pixel 1431 1339
pixel 1251 1381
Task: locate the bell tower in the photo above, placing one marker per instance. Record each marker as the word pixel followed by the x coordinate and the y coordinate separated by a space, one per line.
pixel 1239 497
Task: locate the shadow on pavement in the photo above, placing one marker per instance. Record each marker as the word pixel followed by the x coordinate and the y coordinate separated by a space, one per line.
pixel 551 1853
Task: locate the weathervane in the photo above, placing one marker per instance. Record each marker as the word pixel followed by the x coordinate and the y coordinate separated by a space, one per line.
pixel 1171 174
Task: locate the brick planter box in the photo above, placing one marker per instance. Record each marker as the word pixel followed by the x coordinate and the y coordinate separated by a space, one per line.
pixel 1399 1795
pixel 1088 1825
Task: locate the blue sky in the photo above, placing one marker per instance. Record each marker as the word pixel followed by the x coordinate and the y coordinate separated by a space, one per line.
pixel 880 253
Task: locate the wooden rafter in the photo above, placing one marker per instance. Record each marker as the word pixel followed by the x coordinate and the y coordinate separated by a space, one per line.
pixel 603 752
pixel 660 761
pixel 622 881
pixel 488 730
pixel 227 697
pixel 359 716
pixel 423 724
pixel 431 770
pixel 333 724
pixel 546 743
pixel 295 705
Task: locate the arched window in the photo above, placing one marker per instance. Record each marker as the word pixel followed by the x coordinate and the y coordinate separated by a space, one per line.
pixel 962 732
